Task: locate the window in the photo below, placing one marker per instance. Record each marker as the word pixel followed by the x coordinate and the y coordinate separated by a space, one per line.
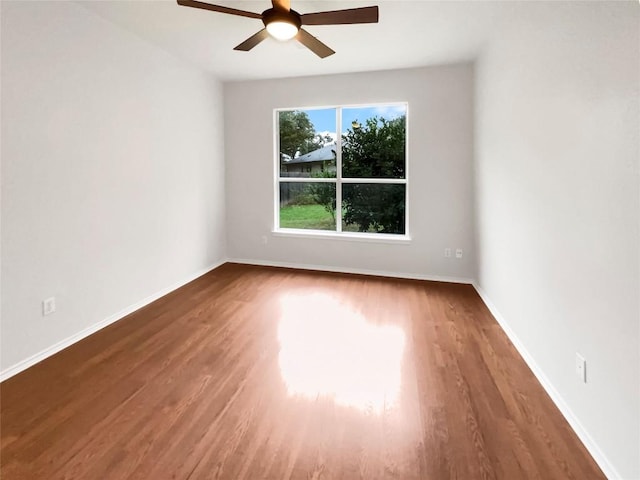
pixel 363 169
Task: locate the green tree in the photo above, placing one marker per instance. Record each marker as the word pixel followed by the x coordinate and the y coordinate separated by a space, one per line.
pixel 297 133
pixel 324 193
pixel 375 150
pixel 374 207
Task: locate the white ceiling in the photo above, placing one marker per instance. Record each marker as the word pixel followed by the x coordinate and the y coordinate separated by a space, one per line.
pixel 409 34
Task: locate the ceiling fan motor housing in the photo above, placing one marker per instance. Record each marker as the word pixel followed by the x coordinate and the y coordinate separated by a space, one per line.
pixel 277 15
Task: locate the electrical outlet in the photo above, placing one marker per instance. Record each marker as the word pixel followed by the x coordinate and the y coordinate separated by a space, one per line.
pixel 458 253
pixel 48 306
pixel 581 368
pixel 447 252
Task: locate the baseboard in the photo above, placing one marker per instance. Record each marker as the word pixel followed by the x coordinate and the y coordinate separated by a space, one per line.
pixel 590 444
pixel 49 351
pixel 357 271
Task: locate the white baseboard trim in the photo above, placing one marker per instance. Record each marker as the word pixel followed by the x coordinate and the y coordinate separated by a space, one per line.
pixel 53 349
pixel 357 271
pixel 590 444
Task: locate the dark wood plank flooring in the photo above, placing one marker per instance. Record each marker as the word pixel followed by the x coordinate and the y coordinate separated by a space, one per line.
pixel 264 373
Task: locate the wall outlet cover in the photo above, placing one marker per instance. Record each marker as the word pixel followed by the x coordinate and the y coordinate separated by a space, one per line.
pixel 48 306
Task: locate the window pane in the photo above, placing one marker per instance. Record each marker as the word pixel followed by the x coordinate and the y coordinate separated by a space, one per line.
pixel 373 208
pixel 307 143
pixel 374 142
pixel 308 205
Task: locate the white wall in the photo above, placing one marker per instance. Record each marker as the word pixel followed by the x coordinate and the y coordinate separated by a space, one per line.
pixel 112 173
pixel 440 170
pixel 557 181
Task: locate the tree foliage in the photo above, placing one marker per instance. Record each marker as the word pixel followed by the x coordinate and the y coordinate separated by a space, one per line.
pixel 324 193
pixel 297 133
pixel 375 150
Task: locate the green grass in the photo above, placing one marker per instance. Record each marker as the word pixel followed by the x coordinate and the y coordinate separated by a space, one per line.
pixel 313 217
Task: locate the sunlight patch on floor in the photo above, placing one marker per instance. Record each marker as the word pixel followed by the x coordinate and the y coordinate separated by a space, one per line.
pixel 328 349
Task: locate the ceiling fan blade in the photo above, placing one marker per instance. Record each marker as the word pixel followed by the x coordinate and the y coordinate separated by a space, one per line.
pixel 253 40
pixel 342 17
pixel 313 44
pixel 281 4
pixel 218 8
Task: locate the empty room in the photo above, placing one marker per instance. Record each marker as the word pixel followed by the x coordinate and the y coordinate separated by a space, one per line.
pixel 320 240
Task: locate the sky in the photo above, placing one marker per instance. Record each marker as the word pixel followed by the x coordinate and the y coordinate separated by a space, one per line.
pixel 324 120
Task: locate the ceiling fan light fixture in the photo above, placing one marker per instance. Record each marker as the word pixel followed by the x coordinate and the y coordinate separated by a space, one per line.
pixel 283 23
pixel 282 30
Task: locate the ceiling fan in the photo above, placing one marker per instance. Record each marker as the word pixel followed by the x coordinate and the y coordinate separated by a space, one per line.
pixel 282 23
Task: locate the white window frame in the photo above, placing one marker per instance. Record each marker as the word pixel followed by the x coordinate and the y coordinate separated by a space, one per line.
pixel 339 181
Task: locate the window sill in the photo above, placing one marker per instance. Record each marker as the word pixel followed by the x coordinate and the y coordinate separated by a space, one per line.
pixel 348 236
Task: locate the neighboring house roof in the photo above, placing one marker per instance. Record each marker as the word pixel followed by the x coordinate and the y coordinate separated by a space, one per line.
pixel 328 152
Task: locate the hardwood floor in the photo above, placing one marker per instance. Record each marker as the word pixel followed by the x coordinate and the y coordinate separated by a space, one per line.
pixel 264 373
